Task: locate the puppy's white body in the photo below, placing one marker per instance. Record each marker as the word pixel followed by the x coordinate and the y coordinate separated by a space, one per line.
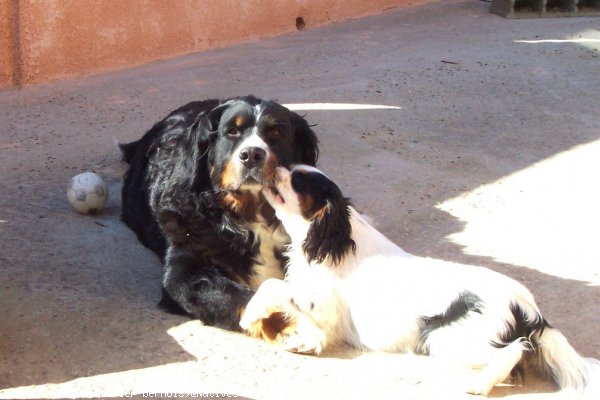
pixel 380 297
pixel 385 290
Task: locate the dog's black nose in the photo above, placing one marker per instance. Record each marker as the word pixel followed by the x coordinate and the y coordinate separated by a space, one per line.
pixel 253 156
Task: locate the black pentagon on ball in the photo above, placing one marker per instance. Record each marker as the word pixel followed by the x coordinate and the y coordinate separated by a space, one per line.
pixel 99 189
pixel 80 195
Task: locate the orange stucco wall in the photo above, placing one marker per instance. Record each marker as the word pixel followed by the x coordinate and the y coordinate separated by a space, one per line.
pixel 53 39
pixel 7 44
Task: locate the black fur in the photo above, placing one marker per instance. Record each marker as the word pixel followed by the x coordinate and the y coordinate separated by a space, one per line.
pixel 173 199
pixel 522 328
pixel 330 233
pixel 465 303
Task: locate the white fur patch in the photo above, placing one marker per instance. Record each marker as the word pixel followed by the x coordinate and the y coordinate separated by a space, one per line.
pixel 254 140
pixel 267 264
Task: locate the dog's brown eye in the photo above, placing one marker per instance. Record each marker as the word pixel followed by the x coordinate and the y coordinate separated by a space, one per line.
pixel 274 135
pixel 233 132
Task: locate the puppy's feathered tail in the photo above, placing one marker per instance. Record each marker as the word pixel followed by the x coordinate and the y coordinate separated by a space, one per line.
pixel 571 372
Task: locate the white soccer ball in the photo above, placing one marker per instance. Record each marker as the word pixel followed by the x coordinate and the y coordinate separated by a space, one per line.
pixel 87 193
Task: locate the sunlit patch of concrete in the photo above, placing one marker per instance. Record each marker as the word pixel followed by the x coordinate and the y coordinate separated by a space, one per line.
pixel 338 106
pixel 545 217
pixel 589 38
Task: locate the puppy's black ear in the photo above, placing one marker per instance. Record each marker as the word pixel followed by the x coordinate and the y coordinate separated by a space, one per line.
pixel 330 233
pixel 305 139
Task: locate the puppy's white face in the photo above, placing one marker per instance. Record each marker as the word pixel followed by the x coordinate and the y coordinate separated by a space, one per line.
pixel 287 203
pixel 313 212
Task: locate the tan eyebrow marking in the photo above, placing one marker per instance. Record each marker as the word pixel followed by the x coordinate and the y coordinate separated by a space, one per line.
pixel 239 121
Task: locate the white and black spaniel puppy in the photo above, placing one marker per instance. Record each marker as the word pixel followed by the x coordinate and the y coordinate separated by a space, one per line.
pixel 192 194
pixel 347 282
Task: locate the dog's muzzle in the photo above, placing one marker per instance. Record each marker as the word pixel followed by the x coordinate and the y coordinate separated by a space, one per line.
pixel 256 166
pixel 253 157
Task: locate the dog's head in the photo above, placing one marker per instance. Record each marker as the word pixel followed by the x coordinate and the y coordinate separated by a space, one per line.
pixel 313 211
pixel 249 137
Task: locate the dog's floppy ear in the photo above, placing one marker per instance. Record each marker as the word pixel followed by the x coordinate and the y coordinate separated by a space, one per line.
pixel 306 140
pixel 203 131
pixel 207 124
pixel 330 232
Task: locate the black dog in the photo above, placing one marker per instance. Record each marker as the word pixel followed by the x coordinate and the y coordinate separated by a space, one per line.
pixel 192 194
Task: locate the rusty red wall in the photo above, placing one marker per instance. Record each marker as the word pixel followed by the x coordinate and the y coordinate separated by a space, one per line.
pixel 7 43
pixel 54 39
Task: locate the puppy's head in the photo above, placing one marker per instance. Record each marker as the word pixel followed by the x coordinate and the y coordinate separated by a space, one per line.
pixel 313 211
pixel 250 137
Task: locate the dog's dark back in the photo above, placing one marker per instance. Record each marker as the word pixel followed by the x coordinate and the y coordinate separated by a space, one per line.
pixel 136 211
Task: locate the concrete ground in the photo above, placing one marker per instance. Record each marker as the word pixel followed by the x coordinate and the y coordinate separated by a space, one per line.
pixel 493 158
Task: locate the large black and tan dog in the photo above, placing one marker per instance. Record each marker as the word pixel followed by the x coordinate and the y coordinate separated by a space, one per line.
pixel 192 194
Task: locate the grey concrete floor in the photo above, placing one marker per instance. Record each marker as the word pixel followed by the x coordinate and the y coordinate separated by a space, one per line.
pixel 492 159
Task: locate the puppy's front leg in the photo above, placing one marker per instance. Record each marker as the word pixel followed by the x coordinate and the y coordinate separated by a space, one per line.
pixel 265 315
pixel 273 315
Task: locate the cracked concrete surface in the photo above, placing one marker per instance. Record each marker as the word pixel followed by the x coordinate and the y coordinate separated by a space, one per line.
pixel 491 159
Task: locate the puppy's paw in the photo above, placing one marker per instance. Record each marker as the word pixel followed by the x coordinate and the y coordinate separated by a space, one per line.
pixel 291 332
pixel 303 345
pixel 251 317
pixel 303 337
pixel 266 302
pixel 283 318
pixel 269 328
pixel 477 385
pixel 304 304
pixel 262 322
